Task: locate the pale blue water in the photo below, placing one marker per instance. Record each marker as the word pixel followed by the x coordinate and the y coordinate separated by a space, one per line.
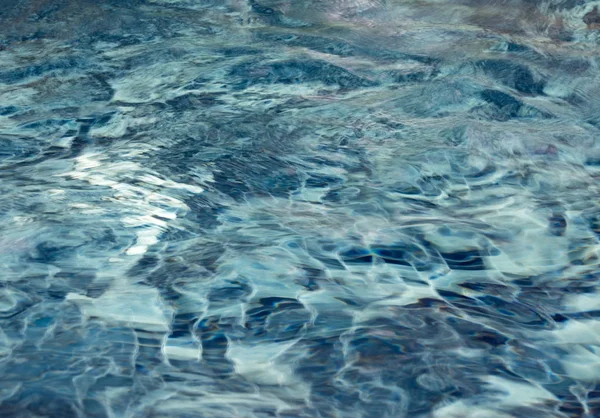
pixel 270 208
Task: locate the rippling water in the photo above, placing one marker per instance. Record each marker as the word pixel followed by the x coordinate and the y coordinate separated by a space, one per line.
pixel 276 208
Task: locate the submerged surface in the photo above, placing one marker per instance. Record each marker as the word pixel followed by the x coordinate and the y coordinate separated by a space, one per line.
pixel 262 208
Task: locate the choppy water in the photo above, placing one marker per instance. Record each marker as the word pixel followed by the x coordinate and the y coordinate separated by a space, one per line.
pixel 345 208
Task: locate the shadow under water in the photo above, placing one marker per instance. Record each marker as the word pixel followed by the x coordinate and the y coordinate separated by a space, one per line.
pixel 254 208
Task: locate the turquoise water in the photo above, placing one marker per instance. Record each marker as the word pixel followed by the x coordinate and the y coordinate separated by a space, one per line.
pixel 263 208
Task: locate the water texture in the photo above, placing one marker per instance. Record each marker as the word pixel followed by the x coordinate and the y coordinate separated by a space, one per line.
pixel 276 208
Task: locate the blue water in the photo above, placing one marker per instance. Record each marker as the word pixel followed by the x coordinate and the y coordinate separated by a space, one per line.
pixel 276 208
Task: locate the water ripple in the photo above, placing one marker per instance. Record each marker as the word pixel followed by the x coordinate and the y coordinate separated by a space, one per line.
pixel 268 208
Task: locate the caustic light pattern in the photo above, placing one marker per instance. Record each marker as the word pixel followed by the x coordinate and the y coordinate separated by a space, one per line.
pixel 275 208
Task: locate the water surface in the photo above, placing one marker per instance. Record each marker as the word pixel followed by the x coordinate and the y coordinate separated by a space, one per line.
pixel 270 208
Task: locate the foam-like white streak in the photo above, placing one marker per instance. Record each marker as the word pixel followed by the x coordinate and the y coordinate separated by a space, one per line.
pixel 261 364
pixel 583 363
pixel 147 213
pixel 575 332
pixel 408 295
pixel 517 394
pixel 462 409
pixel 93 168
pixel 581 303
pixel 502 395
pixel 237 404
pixel 147 84
pixel 581 340
pixel 119 124
pixel 533 251
pixel 182 349
pixel 129 305
pixel 150 179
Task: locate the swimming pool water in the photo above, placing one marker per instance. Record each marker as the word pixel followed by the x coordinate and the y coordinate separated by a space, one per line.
pixel 275 208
